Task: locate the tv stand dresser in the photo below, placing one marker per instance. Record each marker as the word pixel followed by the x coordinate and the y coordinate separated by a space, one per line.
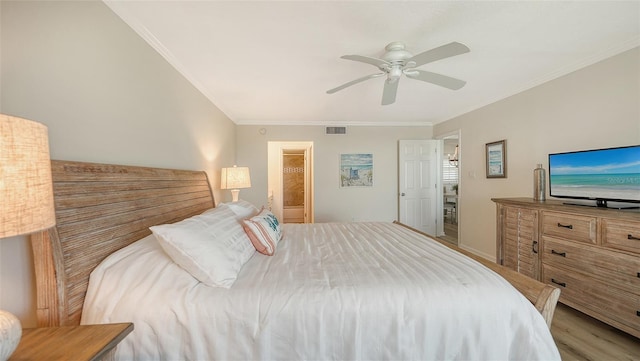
pixel 592 254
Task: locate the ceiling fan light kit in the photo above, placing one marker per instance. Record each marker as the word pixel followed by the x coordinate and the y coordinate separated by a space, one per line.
pixel 397 61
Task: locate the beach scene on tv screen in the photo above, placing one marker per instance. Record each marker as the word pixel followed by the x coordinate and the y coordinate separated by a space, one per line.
pixel 606 174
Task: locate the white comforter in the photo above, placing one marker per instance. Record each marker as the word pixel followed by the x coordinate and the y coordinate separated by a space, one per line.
pixel 331 291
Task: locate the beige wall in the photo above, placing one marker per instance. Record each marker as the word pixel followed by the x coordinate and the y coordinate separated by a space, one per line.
pixel 332 203
pixel 595 107
pixel 106 96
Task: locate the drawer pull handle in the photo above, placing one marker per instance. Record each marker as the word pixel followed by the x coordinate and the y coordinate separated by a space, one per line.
pixel 534 248
pixel 570 226
pixel 561 254
pixel 562 284
pixel 630 236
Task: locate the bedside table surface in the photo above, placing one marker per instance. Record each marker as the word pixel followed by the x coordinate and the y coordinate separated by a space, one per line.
pixel 85 342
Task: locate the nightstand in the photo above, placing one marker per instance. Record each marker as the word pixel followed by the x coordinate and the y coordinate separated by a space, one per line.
pixel 86 342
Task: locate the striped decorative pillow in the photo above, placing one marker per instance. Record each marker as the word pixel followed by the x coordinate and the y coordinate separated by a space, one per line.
pixel 263 231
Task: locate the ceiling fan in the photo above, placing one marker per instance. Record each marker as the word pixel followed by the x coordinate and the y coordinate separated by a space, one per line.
pixel 397 61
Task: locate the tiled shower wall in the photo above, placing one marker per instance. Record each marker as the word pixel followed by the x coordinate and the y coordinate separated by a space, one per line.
pixel 293 180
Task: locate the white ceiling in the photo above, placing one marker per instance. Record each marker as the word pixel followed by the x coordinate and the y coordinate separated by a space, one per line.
pixel 271 62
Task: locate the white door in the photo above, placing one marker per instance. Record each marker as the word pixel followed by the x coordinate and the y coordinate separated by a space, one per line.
pixel 418 184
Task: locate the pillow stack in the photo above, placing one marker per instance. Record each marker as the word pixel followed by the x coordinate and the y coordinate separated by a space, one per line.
pixel 241 208
pixel 214 245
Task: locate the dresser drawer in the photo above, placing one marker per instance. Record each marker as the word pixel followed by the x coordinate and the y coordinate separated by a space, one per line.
pixel 609 303
pixel 570 226
pixel 624 235
pixel 610 267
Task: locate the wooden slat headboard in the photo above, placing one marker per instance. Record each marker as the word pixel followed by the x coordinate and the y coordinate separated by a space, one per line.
pixel 101 208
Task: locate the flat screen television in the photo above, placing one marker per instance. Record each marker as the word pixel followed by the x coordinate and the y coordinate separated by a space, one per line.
pixel 611 174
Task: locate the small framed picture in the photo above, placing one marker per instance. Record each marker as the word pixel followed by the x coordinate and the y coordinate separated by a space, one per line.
pixel 356 170
pixel 496 155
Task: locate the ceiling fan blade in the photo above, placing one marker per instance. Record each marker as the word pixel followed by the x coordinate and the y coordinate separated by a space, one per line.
pixel 389 91
pixel 437 79
pixel 331 91
pixel 441 52
pixel 365 59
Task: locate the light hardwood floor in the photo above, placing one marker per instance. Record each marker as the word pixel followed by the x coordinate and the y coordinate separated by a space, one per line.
pixel 580 337
pixel 451 233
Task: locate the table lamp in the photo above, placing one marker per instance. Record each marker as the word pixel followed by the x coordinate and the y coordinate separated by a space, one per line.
pixel 234 179
pixel 26 197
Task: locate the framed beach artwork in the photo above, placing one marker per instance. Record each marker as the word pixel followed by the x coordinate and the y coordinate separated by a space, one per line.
pixel 356 170
pixel 496 155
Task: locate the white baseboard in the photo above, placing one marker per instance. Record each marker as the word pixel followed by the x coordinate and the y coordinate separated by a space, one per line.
pixel 491 257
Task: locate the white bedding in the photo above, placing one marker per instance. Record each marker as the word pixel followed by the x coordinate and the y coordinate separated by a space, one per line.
pixel 331 291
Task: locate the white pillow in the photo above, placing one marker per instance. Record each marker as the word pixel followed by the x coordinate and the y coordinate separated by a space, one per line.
pixel 211 246
pixel 263 231
pixel 241 208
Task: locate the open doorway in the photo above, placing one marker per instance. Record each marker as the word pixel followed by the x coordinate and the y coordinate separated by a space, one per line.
pixel 451 186
pixel 290 181
pixel 293 185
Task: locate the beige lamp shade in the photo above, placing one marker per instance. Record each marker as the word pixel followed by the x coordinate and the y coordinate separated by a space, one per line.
pixel 234 179
pixel 26 191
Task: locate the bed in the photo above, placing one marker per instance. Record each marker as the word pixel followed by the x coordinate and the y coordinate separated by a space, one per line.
pixel 369 290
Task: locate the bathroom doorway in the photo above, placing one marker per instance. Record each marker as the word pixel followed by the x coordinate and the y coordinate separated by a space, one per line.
pixel 450 181
pixel 293 185
pixel 290 181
